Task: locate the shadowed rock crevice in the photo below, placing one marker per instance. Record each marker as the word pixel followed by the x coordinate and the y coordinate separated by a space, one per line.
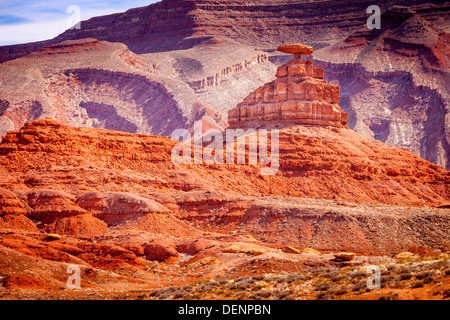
pixel 107 117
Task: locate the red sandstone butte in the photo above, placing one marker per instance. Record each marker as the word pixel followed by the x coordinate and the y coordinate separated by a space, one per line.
pixel 299 95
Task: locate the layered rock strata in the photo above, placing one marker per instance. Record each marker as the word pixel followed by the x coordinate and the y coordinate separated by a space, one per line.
pixel 299 95
pixel 172 25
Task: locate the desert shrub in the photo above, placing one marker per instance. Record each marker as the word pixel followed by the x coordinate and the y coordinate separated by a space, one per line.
pixel 357 274
pixel 240 295
pixel 258 286
pixel 187 287
pixel 258 277
pixel 361 286
pixel 314 271
pixel 406 269
pixel 322 286
pixel 163 293
pixel 179 294
pixel 244 284
pixel 428 279
pixel 385 280
pixel 242 278
pixel 441 264
pixel 230 286
pixel 324 296
pixel 424 274
pixel 384 272
pixel 397 285
pixel 333 276
pixel 406 276
pixel 297 277
pixel 282 294
pixel 416 284
pixel 278 279
pixel 391 278
pixel 419 267
pixel 446 293
pixel 260 295
pixel 389 296
pixel 153 293
pixel 338 290
pixel 207 287
pixel 356 287
pixel 392 267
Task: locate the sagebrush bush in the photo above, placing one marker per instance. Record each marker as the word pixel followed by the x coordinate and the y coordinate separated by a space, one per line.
pixel 406 276
pixel 357 274
pixel 324 296
pixel 261 295
pixel 297 277
pixel 322 286
pixel 416 284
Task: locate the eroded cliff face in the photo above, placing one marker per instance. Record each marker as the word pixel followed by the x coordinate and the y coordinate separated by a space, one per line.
pixel 114 95
pixel 174 25
pixel 100 84
pixel 215 80
pixel 299 95
pixel 92 184
pixel 394 83
pixel 200 60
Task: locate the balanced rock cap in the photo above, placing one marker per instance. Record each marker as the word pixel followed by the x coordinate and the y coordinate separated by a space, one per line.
pixel 296 49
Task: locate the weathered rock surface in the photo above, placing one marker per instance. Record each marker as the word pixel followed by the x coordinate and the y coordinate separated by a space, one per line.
pixel 162 230
pixel 133 220
pixel 89 83
pixel 344 256
pixel 315 162
pixel 161 251
pixel 198 61
pixel 297 49
pixel 299 95
pixel 394 82
pixel 172 25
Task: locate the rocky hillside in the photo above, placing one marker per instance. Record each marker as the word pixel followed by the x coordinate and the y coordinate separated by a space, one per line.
pixel 394 83
pixel 102 84
pixel 316 162
pixel 156 68
pixel 120 208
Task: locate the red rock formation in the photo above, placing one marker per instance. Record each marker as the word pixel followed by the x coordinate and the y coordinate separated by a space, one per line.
pixel 117 83
pixel 167 225
pixel 171 25
pixel 313 160
pixel 13 212
pixel 216 79
pixel 56 212
pixel 394 82
pixel 299 95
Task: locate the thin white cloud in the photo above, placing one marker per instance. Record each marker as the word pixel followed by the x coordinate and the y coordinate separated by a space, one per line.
pixel 47 19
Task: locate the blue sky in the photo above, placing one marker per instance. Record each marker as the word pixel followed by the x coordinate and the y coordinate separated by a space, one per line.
pixel 23 21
